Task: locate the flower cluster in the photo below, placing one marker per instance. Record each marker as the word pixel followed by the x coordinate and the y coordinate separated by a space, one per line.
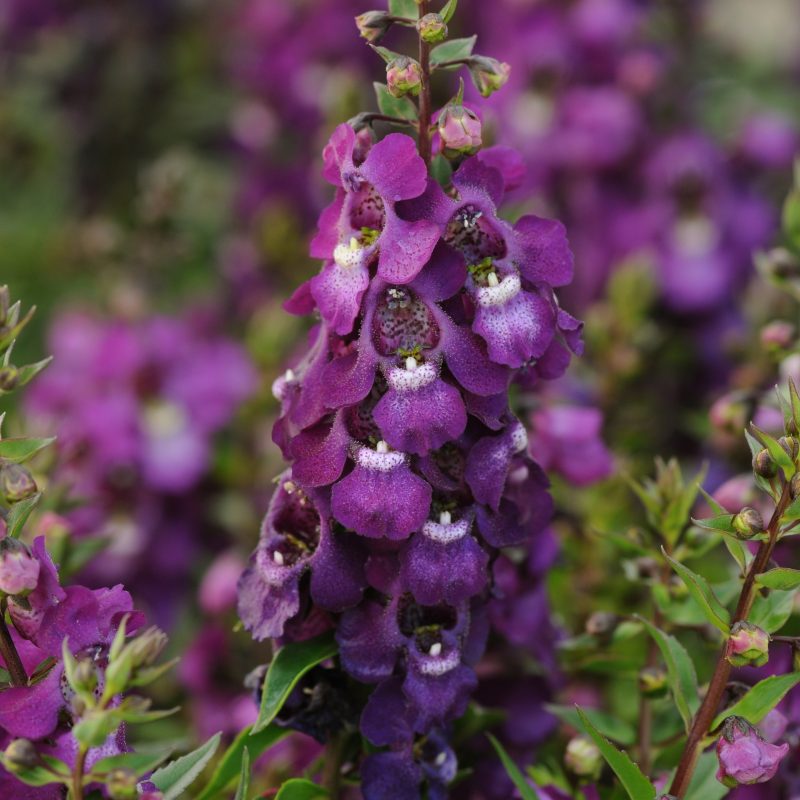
pixel 408 468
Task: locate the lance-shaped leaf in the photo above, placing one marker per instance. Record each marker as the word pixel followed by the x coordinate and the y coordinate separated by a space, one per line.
pixel 760 700
pixel 290 663
pixel 703 595
pixel 794 403
pixel 772 612
pixel 385 53
pixel 612 728
pixel 300 789
pixel 526 791
pixel 177 776
pixel 20 450
pixel 244 777
pixel 138 763
pixel 392 106
pixel 454 50
pixel 27 373
pixel 448 10
pixel 630 776
pixel 681 674
pixel 776 452
pixel 722 523
pixel 716 507
pixel 781 578
pixel 52 770
pixel 18 514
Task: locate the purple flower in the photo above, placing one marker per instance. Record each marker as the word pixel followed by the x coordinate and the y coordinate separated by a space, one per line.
pixel 744 756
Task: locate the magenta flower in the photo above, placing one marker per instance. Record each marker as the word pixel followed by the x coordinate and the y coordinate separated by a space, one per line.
pixel 744 756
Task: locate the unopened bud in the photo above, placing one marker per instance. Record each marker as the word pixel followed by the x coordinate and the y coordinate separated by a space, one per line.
pixel 778 335
pixel 653 682
pixel 121 784
pixel 601 623
pixel 9 378
pixel 488 74
pixel 460 130
pixel 372 25
pixel 747 523
pixel 745 758
pixel 20 755
pixel 84 676
pixel 19 570
pixel 791 445
pixel 747 645
pixel 403 76
pixel 763 465
pixel 583 758
pixel 147 647
pixel 16 483
pixel 432 28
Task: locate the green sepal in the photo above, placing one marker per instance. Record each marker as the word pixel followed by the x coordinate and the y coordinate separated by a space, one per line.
pixel 453 50
pixel 21 449
pixel 19 513
pixel 703 595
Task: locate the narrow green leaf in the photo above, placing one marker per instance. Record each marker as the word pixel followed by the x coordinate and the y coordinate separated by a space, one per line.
pixel 300 789
pixel 772 612
pixel 791 219
pixel 229 764
pixel 526 791
pixel 703 595
pixel 794 402
pixel 453 50
pixel 7 339
pixel 178 775
pixel 27 373
pixel 385 53
pixel 737 550
pixel 20 450
pixel 612 728
pixel 290 663
pixel 630 776
pixel 404 8
pixel 394 106
pixel 777 453
pixel 18 514
pixel 441 170
pixel 712 503
pixel 39 776
pixel 681 674
pixel 781 578
pixel 722 523
pixel 792 512
pixel 140 763
pixel 449 9
pixel 244 777
pixel 760 700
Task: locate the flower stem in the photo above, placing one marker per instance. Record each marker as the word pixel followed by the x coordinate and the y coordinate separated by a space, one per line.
pixel 425 93
pixel 76 791
pixel 716 688
pixel 332 769
pixel 9 651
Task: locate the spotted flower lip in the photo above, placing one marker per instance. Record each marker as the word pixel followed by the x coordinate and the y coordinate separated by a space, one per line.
pixel 499 294
pixel 380 460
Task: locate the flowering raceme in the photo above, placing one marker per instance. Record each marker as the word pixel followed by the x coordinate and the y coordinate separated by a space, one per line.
pixel 408 470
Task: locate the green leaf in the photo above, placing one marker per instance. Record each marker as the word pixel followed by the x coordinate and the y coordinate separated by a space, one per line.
pixel 772 612
pixel 737 550
pixel 178 775
pixel 385 53
pixel 777 453
pixel 712 503
pixel 681 674
pixel 791 219
pixel 394 106
pixel 27 373
pixel 792 512
pixel 300 789
pixel 630 776
pixel 449 9
pixel 18 514
pixel 441 170
pixel 453 50
pixel 20 450
pixel 703 595
pixel 612 728
pixel 80 552
pixel 228 766
pixel 39 776
pixel 781 578
pixel 759 700
pixel 244 777
pixel 794 402
pixel 723 523
pixel 7 339
pixel 140 763
pixel 404 8
pixel 290 663
pixel 526 791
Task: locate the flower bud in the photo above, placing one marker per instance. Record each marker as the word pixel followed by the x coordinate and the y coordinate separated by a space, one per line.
pixel 147 647
pixel 432 28
pixel 121 784
pixel 84 677
pixel 744 756
pixel 20 755
pixel 5 304
pixel 16 483
pixel 19 570
pixel 583 758
pixel 791 445
pixel 763 465
pixel 403 76
pixel 9 378
pixel 653 682
pixel 460 130
pixel 488 74
pixel 601 623
pixel 372 25
pixel 778 335
pixel 747 644
pixel 747 523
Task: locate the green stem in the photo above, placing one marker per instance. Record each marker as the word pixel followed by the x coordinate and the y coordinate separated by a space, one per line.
pixel 425 93
pixel 76 790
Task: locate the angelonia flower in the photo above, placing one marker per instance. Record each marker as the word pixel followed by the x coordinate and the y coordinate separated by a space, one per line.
pixel 745 757
pixel 408 471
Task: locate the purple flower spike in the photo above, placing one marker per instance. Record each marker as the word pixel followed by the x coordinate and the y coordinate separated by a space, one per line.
pixel 443 563
pixel 381 497
pixel 419 412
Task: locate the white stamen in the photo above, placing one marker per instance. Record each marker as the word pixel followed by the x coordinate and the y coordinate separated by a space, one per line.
pixel 436 649
pixel 288 376
pixel 445 518
pixel 411 363
pixel 498 293
pixel 277 557
pixel 440 759
pixel 492 280
pixel 381 447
